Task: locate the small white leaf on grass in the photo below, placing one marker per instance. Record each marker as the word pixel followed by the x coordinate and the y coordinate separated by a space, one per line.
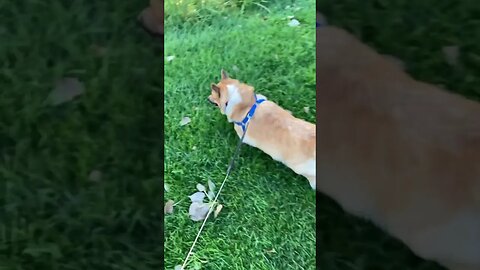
pixel 168 209
pixel 235 68
pixel 294 23
pixel 178 267
pixel 185 121
pixel 451 54
pixel 306 109
pixel 95 176
pixel 211 195
pixel 197 197
pixel 65 90
pixel 201 187
pixel 290 17
pixel 170 58
pixel 198 211
pixel 211 185
pixel 166 187
pixel 217 210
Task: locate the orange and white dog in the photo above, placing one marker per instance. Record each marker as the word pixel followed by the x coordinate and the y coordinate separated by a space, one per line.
pixel 270 128
pixel 402 153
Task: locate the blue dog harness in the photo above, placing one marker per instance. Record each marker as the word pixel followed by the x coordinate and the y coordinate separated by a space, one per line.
pixel 250 114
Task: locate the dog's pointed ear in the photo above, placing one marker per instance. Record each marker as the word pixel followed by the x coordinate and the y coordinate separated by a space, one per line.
pixel 224 74
pixel 215 88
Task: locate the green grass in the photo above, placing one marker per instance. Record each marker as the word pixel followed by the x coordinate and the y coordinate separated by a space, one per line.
pixel 182 13
pixel 414 31
pixel 266 206
pixel 52 216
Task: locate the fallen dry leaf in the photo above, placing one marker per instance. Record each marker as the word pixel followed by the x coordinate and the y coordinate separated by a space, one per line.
pixel 198 211
pixel 166 187
pixel 170 58
pixel 185 121
pixel 197 197
pixel 217 210
pixel 306 109
pixel 201 187
pixel 294 23
pixel 95 176
pixel 65 90
pixel 451 54
pixel 168 209
pixel 151 20
pixel 178 267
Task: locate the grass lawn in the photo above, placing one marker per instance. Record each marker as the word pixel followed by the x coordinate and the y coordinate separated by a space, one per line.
pixel 53 215
pixel 268 219
pixel 415 32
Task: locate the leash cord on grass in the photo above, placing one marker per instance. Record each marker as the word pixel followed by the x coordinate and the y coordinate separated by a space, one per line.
pixel 210 209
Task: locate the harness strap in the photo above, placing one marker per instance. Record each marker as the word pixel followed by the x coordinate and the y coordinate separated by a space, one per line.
pixel 250 114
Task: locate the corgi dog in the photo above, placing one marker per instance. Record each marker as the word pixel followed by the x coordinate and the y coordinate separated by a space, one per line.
pixel 268 127
pixel 399 152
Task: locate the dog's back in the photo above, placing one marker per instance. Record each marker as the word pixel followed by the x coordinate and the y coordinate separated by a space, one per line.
pixel 285 138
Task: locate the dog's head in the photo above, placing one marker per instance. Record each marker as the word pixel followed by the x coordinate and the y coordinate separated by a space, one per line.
pixel 231 96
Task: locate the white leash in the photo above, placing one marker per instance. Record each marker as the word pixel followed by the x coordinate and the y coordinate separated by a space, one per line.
pixel 210 210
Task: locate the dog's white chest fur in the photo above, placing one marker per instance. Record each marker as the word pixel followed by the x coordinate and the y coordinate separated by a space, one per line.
pixel 234 99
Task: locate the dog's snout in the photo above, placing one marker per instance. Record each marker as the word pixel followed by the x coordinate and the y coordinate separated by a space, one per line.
pixel 209 100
